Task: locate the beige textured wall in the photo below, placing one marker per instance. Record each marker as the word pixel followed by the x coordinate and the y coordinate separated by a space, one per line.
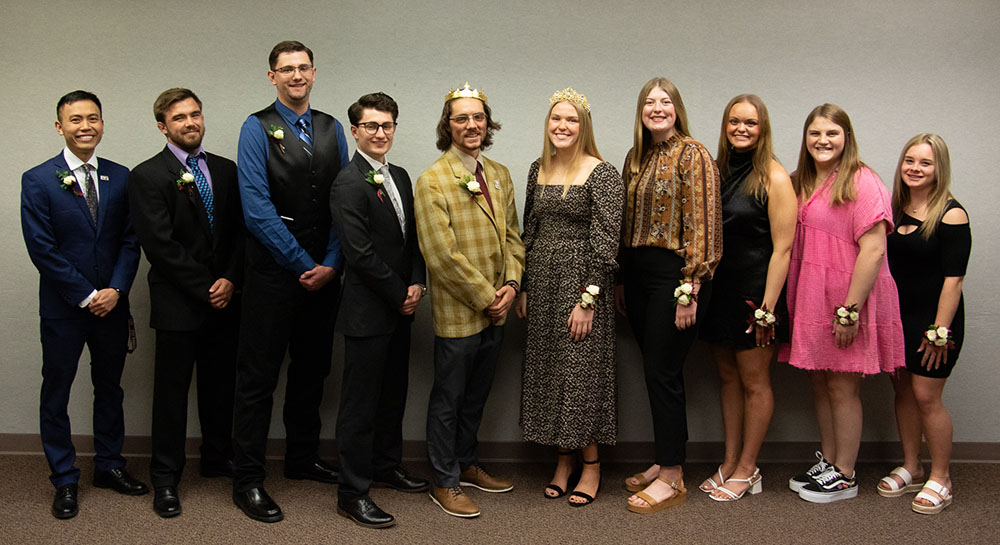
pixel 897 67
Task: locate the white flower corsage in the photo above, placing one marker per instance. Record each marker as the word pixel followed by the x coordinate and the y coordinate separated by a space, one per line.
pixel 588 296
pixel 760 317
pixel 684 294
pixel 846 315
pixel 185 179
pixel 470 185
pixel 939 336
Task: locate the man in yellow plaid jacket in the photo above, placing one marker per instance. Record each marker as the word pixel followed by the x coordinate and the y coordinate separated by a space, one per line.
pixel 468 233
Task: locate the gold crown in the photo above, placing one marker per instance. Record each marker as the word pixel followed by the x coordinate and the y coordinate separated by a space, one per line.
pixel 466 92
pixel 571 95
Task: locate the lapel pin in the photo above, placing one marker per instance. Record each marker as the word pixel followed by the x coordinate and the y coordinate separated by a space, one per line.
pixel 103 178
pixel 496 184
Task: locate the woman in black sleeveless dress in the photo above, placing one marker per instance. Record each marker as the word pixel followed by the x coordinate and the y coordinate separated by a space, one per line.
pixel 758 221
pixel 928 253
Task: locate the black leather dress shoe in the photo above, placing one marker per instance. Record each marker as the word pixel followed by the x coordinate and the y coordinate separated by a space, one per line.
pixel 166 502
pixel 216 469
pixel 318 471
pixel 399 479
pixel 256 504
pixel 120 481
pixel 364 512
pixel 65 506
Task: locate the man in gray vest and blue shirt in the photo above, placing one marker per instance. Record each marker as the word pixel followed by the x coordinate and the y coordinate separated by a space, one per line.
pixel 288 156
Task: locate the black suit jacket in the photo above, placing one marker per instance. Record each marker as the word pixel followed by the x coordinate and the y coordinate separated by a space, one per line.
pixel 380 263
pixel 185 254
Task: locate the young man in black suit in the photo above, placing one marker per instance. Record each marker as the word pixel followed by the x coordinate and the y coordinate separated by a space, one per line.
pixel 186 209
pixel 371 202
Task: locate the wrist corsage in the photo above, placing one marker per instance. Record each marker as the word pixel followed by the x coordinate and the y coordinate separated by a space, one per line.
pixel 684 294
pixel 761 317
pixel 939 336
pixel 846 315
pixel 588 296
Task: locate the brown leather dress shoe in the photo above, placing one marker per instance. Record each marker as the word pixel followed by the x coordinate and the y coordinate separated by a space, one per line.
pixel 454 502
pixel 477 477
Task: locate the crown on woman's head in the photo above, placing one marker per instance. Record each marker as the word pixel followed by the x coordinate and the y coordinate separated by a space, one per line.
pixel 571 95
pixel 466 92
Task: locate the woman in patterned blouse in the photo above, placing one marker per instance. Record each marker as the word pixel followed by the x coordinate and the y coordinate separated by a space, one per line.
pixel 672 243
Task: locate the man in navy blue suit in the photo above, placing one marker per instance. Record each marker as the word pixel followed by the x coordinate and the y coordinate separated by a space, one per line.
pixel 75 221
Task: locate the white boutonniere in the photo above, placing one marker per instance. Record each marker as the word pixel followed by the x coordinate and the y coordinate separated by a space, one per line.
pixel 185 180
pixel 66 180
pixel 277 134
pixel 376 180
pixel 470 185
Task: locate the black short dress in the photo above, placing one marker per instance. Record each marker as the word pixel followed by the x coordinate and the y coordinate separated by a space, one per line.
pixel 919 267
pixel 742 273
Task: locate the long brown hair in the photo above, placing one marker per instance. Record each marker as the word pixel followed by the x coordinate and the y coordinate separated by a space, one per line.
pixel 940 194
pixel 763 152
pixel 585 144
pixel 642 138
pixel 804 177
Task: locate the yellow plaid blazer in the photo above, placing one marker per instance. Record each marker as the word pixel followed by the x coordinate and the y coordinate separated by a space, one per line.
pixel 470 252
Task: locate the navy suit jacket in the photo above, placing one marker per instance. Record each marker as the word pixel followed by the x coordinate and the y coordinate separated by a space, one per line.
pixel 187 256
pixel 73 255
pixel 380 263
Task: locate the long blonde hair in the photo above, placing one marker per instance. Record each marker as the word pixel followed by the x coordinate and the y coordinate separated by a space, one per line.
pixel 585 144
pixel 805 173
pixel 763 152
pixel 940 194
pixel 642 138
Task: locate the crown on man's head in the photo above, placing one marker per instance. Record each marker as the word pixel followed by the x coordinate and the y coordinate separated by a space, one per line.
pixel 571 95
pixel 466 92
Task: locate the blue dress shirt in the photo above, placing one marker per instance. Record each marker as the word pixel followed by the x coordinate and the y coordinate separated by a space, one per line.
pixel 261 217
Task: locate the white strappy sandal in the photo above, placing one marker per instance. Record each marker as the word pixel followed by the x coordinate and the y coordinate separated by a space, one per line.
pixel 712 485
pixel 895 490
pixel 937 504
pixel 754 481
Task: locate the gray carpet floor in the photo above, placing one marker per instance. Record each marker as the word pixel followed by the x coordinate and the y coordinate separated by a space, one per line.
pixel 776 516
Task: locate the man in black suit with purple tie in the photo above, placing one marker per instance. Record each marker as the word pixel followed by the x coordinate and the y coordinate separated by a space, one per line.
pixel 371 203
pixel 186 209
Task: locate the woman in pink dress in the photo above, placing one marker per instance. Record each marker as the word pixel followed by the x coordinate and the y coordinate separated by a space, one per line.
pixel 842 302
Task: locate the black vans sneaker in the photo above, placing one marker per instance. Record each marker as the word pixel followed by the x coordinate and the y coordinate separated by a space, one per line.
pixel 830 486
pixel 797 482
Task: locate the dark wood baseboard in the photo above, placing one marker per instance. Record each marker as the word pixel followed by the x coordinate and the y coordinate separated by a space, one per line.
pixel 504 451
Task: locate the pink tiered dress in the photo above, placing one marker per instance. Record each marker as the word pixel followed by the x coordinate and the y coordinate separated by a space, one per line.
pixel 822 262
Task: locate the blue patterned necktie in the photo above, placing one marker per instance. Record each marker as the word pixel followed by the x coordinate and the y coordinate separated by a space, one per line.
pixel 304 131
pixel 203 189
pixel 91 196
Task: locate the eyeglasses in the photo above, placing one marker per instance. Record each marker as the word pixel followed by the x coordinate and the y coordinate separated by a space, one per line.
pixel 463 119
pixel 289 70
pixel 372 127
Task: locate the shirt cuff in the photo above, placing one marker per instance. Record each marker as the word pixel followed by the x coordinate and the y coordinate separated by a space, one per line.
pixel 85 302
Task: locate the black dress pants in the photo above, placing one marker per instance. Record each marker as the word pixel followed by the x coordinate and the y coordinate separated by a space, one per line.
pixel 279 315
pixel 372 400
pixel 651 275
pixel 213 348
pixel 463 375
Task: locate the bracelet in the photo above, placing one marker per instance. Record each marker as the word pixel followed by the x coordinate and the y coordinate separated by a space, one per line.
pixel 684 294
pixel 761 316
pixel 846 315
pixel 939 336
pixel 588 296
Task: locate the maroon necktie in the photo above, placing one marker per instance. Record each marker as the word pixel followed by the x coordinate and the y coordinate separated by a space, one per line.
pixel 482 185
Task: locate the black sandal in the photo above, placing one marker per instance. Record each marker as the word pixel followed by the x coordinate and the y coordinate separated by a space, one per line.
pixel 556 488
pixel 583 495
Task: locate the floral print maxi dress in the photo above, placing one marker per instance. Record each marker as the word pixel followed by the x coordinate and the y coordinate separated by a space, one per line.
pixel 568 396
